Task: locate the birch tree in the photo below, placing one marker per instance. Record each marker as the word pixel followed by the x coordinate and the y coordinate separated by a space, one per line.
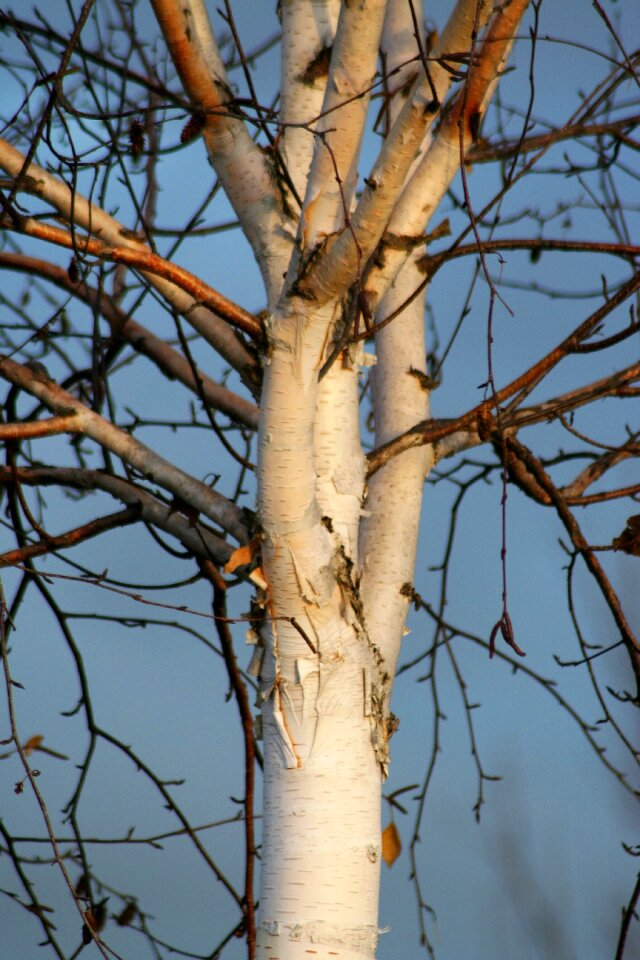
pixel 353 189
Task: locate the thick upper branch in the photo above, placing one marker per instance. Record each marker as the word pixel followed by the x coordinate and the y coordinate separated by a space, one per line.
pixel 239 162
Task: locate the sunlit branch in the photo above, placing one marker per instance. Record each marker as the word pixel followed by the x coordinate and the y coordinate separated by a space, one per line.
pixel 39 428
pixel 337 267
pixel 80 213
pixel 72 537
pixel 411 210
pixel 147 262
pixel 240 164
pixel 193 534
pixel 333 177
pixel 432 262
pixel 125 328
pixel 431 431
pixel 483 152
pixel 516 417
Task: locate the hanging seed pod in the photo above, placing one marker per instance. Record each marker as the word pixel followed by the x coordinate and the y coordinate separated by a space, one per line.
pixel 136 138
pixel 193 127
pixel 72 270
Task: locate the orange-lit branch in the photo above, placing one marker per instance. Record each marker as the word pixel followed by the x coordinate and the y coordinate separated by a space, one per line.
pixel 167 359
pixel 141 259
pixel 187 58
pixel 40 428
pixel 430 431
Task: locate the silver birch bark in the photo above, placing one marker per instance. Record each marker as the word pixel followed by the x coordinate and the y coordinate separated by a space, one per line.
pixel 326 680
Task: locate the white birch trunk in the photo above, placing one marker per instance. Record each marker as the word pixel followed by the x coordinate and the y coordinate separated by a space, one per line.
pixel 335 620
pixel 321 715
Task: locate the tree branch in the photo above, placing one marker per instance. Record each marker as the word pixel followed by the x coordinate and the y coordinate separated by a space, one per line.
pixel 147 262
pixel 430 431
pixel 239 162
pixel 192 534
pixel 77 211
pixel 150 464
pixel 123 328
pixel 580 544
pixel 71 538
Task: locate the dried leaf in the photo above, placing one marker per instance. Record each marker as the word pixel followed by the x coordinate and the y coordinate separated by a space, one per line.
pixel 94 921
pixel 73 271
pixel 629 539
pixel 391 844
pixel 242 556
pixel 136 138
pixel 32 744
pixel 127 915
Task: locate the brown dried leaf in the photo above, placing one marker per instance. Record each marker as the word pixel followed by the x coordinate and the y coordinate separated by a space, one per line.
pixel 127 915
pixel 193 127
pixel 242 556
pixel 32 744
pixel 136 138
pixel 629 539
pixel 391 844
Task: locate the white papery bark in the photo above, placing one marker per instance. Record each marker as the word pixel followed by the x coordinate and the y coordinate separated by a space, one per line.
pixel 333 176
pixel 394 502
pixel 308 28
pixel 397 158
pixel 330 641
pixel 321 709
pixel 325 697
pixel 389 534
pixel 440 163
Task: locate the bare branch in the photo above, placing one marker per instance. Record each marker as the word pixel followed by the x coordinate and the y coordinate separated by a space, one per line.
pixel 77 211
pixel 431 431
pixel 149 463
pixel 238 161
pixel 190 532
pixel 141 338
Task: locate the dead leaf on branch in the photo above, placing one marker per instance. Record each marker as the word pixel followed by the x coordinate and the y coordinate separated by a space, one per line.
pixel 32 744
pixel 35 743
pixel 391 844
pixel 242 556
pixel 629 539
